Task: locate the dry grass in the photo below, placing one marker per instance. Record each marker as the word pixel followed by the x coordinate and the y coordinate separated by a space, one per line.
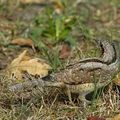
pixel 53 105
pixel 97 19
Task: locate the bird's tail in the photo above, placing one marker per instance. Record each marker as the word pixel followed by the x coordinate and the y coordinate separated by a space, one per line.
pixel 33 83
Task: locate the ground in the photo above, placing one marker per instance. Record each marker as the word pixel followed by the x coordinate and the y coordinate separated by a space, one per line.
pixel 61 32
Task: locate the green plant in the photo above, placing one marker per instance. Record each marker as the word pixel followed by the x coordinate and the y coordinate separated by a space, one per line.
pixel 55 28
pixel 51 29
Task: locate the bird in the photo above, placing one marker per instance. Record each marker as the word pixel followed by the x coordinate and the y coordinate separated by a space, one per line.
pixel 82 77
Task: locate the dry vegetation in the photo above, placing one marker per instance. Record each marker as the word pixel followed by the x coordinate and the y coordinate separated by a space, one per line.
pixel 50 25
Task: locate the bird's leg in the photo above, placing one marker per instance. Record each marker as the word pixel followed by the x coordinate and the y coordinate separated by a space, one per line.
pixel 83 99
pixel 69 96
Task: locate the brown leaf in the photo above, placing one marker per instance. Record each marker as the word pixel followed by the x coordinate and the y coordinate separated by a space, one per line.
pixel 116 117
pixel 23 42
pixel 35 67
pixel 24 63
pixel 65 51
pixel 13 68
pixel 20 58
pixel 95 118
pixel 32 1
pixel 58 6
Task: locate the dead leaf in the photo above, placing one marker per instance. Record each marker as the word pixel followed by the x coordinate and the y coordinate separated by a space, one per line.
pixel 95 118
pixel 116 117
pixel 13 68
pixel 23 42
pixel 32 1
pixel 24 63
pixel 65 51
pixel 20 58
pixel 58 6
pixel 35 67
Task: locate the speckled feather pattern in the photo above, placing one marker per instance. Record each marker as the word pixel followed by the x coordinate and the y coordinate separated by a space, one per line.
pixel 79 77
pixel 74 76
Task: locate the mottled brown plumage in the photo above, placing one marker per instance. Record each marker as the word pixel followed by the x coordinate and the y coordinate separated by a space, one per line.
pixel 80 77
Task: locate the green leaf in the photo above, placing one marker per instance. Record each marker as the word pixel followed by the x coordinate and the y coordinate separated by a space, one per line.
pixel 71 41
